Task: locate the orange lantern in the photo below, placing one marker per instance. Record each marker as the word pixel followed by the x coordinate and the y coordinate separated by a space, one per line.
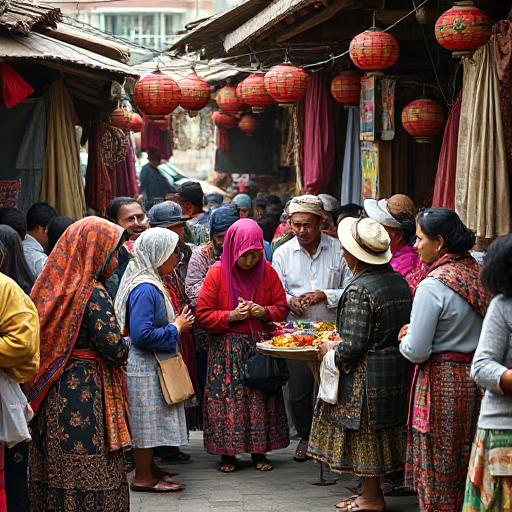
pixel 157 94
pixel 136 123
pixel 195 93
pixel 224 120
pixel 227 99
pixel 120 118
pixel 286 83
pixel 374 50
pixel 346 88
pixel 463 29
pixel 249 124
pixel 252 91
pixel 423 119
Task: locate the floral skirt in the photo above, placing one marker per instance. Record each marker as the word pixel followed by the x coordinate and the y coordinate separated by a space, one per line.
pixel 238 419
pixel 489 481
pixel 3 505
pixel 437 460
pixel 71 468
pixel 362 452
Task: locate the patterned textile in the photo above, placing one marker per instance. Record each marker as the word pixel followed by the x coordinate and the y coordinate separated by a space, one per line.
pixel 437 460
pixel 72 465
pixel 489 482
pixel 364 452
pixel 3 506
pixel 153 422
pixel 238 419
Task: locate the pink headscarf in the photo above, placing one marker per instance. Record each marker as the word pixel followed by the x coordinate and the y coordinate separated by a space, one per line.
pixel 243 236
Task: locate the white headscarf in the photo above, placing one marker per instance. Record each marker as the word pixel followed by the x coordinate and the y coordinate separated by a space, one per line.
pixel 150 251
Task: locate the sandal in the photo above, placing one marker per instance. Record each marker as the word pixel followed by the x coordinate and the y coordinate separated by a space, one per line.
pixel 300 452
pixel 353 506
pixel 228 464
pixel 261 463
pixel 346 502
pixel 160 487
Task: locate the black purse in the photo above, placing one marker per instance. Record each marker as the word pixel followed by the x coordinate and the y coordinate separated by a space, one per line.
pixel 265 373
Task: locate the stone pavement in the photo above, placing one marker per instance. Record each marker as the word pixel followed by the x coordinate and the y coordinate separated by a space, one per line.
pixel 285 489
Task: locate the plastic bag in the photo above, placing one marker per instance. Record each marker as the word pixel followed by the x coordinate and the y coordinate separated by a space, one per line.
pixel 329 379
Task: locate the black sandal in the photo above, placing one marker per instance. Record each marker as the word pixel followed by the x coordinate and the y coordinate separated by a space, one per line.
pixel 300 452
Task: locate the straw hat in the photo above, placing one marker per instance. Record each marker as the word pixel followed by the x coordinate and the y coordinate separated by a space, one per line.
pixel 386 211
pixel 365 239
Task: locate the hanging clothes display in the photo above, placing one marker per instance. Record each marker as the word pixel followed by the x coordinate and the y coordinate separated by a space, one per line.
pixel 123 177
pixel 319 137
pixel 351 179
pixel 62 184
pixel 444 185
pixel 152 137
pixel 481 189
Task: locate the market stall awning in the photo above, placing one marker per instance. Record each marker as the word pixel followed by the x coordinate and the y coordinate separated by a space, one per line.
pixel 20 17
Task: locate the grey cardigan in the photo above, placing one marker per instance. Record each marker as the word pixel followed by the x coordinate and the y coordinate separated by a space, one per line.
pixel 492 358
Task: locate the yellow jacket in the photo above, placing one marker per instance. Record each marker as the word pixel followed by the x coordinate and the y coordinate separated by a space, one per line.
pixel 19 332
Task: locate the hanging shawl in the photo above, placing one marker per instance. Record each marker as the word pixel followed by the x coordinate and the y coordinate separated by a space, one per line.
pixel 150 251
pixel 62 292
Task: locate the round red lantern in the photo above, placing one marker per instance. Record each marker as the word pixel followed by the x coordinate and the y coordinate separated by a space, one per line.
pixel 374 50
pixel 120 118
pixel 223 120
pixel 195 93
pixel 252 91
pixel 346 88
pixel 286 83
pixel 463 29
pixel 157 94
pixel 249 124
pixel 227 99
pixel 136 123
pixel 423 119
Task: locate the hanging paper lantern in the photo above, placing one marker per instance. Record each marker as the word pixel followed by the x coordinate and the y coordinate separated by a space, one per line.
pixel 136 123
pixel 463 29
pixel 374 50
pixel 287 84
pixel 228 101
pixel 120 118
pixel 252 91
pixel 249 124
pixel 195 93
pixel 423 119
pixel 346 88
pixel 157 94
pixel 223 120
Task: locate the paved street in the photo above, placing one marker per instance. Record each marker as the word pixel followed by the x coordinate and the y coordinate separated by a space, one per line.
pixel 285 489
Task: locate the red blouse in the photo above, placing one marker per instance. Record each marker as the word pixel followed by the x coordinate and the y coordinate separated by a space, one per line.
pixel 213 307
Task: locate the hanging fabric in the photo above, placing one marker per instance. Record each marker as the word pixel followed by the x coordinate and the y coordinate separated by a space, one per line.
pixel 62 184
pixel 318 135
pixel 13 88
pixel 444 184
pixel 123 177
pixel 481 189
pixel 351 178
pixel 152 137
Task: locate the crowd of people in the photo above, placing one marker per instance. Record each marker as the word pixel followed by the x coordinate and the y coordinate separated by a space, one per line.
pixel 92 312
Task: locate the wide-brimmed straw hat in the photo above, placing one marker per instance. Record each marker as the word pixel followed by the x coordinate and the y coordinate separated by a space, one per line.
pixel 365 239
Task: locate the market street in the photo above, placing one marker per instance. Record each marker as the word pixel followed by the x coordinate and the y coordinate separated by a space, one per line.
pixel 285 489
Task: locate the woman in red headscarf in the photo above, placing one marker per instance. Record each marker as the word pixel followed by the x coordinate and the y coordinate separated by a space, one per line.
pixel 241 295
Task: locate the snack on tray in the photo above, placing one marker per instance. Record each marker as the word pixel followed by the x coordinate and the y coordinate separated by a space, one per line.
pixel 303 338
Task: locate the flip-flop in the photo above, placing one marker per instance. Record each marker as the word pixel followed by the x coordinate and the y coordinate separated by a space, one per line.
pixel 354 507
pixel 228 465
pixel 261 463
pixel 300 453
pixel 160 487
pixel 347 501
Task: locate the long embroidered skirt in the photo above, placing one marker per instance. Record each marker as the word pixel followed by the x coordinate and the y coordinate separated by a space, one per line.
pixel 437 460
pixel 238 419
pixel 3 506
pixel 489 481
pixel 71 468
pixel 362 452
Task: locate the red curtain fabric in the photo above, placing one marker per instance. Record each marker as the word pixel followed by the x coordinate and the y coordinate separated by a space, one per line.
pixel 123 177
pixel 444 186
pixel 318 137
pixel 14 89
pixel 152 137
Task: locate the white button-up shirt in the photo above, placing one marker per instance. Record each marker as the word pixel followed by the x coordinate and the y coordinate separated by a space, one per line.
pixel 34 254
pixel 300 272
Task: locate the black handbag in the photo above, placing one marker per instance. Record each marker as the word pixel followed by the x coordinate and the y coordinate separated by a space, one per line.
pixel 265 373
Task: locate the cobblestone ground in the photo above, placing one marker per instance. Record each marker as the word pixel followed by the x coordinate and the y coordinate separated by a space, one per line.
pixel 288 488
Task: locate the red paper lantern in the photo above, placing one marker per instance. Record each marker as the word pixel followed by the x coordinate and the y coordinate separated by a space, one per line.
pixel 120 118
pixel 227 99
pixel 423 119
pixel 463 29
pixel 195 93
pixel 224 120
pixel 252 91
pixel 249 124
pixel 157 94
pixel 346 88
pixel 287 84
pixel 136 123
pixel 374 50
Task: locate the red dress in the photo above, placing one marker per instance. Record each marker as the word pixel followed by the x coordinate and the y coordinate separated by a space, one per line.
pixel 238 419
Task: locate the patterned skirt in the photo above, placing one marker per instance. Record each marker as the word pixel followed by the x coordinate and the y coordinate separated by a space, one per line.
pixel 362 452
pixel 152 421
pixel 3 505
pixel 437 460
pixel 489 482
pixel 71 468
pixel 238 419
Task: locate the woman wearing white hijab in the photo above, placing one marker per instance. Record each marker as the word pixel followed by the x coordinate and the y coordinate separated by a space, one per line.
pixel 144 312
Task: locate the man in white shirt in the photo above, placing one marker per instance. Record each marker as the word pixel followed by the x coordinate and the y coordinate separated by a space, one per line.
pixel 312 269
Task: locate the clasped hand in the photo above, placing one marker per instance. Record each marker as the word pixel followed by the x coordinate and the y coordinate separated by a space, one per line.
pixel 245 310
pixel 184 320
pixel 299 304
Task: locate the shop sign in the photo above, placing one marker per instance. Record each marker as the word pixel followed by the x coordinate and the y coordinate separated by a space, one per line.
pixel 368 108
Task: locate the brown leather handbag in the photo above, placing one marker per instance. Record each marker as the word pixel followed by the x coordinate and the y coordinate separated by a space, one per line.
pixel 174 378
